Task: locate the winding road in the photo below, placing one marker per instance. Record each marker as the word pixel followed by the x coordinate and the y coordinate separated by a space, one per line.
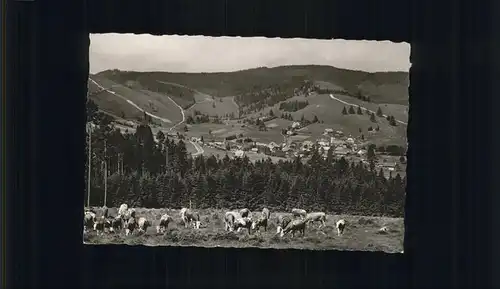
pixel 353 104
pixel 199 149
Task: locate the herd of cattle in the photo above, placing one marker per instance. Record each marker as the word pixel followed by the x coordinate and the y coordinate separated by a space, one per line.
pixel 126 219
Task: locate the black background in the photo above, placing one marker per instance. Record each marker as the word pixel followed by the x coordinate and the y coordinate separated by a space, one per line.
pixel 451 157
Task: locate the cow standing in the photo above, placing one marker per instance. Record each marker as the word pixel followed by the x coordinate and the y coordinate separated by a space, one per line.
pixel 299 213
pixel 143 224
pixel 317 217
pixel 190 217
pixel 164 221
pixel 101 224
pixel 130 226
pixel 245 213
pixel 88 220
pixel 245 222
pixel 117 224
pixel 340 227
pixel 230 219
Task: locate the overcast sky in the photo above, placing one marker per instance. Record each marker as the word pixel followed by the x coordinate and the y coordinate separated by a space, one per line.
pixel 175 53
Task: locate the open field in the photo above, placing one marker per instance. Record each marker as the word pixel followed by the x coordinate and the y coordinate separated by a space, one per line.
pixel 219 107
pixel 361 233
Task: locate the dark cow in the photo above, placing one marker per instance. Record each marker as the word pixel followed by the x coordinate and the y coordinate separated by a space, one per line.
pixel 130 226
pixel 340 227
pixel 190 217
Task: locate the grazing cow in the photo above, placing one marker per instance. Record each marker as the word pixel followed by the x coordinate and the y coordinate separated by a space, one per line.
pixel 245 213
pixel 340 227
pixel 229 219
pixel 123 209
pixel 143 224
pixel 100 224
pixel 295 225
pixel 164 221
pixel 266 213
pixel 190 217
pixel 116 223
pixel 130 226
pixel 317 217
pixel 245 222
pixel 88 220
pixel 262 220
pixel 283 221
pixel 299 213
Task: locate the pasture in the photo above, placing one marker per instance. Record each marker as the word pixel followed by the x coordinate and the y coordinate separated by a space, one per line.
pixel 151 102
pixel 218 107
pixel 361 233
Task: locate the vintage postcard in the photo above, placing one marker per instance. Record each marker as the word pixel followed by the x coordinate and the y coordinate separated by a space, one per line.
pixel 246 142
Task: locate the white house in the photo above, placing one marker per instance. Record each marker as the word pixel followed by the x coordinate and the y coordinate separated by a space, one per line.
pixel 295 124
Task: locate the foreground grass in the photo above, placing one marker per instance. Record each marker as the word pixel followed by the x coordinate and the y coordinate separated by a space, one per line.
pixel 361 234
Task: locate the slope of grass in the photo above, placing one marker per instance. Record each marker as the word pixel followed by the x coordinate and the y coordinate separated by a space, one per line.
pixel 329 112
pixel 382 87
pixel 361 233
pixel 219 107
pixel 151 102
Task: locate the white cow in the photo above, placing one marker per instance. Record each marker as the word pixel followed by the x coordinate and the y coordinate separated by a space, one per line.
pixel 143 224
pixel 229 220
pixel 294 226
pixel 266 213
pixel 283 221
pixel 299 213
pixel 245 213
pixel 340 227
pixel 317 217
pixel 123 209
pixel 245 222
pixel 190 217
pixel 88 220
pixel 164 221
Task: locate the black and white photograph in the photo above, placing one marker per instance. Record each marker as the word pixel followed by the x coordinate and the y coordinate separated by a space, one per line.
pixel 246 142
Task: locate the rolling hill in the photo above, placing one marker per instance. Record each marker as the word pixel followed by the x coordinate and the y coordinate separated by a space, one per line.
pixel 163 94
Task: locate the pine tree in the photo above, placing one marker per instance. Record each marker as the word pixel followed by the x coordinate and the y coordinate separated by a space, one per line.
pixel 372 118
pixel 360 112
pixel 379 112
pixel 344 111
pixel 315 119
pixel 351 110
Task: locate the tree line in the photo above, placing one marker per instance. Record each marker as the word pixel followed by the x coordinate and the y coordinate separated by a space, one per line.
pixel 291 106
pixel 143 172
